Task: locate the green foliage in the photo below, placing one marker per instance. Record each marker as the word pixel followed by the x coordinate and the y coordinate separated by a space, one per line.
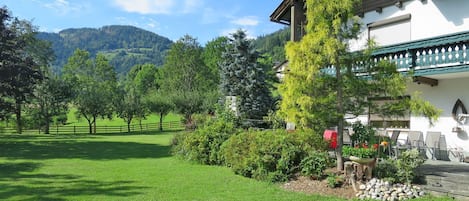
pixel 124 46
pixel 273 44
pixel 212 56
pixel 334 180
pixel 242 76
pixel 386 169
pixel 407 164
pixel 19 64
pixel 403 169
pixel 314 164
pixel 360 152
pixel 93 84
pixel 52 97
pixel 183 78
pixel 363 134
pixel 269 155
pixel 204 144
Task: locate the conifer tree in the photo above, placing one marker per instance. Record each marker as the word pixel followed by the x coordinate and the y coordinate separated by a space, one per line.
pixel 242 76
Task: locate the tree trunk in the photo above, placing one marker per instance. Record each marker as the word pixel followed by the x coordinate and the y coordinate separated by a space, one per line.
pixel 46 125
pixel 90 125
pixel 128 127
pixel 94 125
pixel 161 121
pixel 19 125
pixel 340 111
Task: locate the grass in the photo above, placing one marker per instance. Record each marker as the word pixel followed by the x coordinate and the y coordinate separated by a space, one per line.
pixel 118 167
pixel 72 120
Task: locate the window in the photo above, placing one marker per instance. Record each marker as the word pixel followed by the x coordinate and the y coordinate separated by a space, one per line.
pixel 398 118
pixel 390 31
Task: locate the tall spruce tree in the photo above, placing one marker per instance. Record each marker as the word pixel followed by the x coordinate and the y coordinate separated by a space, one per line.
pixel 242 76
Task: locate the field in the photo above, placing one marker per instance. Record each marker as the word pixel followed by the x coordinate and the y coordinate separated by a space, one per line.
pixel 118 167
pixel 76 125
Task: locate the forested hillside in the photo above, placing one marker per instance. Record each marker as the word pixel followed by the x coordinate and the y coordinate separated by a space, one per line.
pixel 124 46
pixel 273 44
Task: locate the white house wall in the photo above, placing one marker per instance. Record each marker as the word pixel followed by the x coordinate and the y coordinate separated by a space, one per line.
pixel 429 18
pixel 444 96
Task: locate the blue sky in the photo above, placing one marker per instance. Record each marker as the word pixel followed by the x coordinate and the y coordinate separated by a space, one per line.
pixel 202 19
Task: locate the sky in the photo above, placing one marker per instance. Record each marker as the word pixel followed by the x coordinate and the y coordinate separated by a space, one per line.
pixel 202 19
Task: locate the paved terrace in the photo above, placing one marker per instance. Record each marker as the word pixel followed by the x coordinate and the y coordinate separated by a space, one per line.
pixel 446 178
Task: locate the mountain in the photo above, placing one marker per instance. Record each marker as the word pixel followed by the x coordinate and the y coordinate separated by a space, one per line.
pixel 124 46
pixel 273 44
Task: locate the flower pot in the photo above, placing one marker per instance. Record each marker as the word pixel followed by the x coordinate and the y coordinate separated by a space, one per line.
pixel 361 160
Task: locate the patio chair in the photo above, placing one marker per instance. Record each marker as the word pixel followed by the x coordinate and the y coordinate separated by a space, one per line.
pixel 432 143
pixel 415 141
pixel 394 145
pixel 346 138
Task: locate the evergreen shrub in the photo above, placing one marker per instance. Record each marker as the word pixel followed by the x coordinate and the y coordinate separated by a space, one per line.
pixel 203 144
pixel 273 155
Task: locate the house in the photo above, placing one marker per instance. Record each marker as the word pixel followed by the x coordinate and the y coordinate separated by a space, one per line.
pixel 430 37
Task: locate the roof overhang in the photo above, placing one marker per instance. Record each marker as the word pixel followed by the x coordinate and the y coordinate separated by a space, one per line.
pixel 282 13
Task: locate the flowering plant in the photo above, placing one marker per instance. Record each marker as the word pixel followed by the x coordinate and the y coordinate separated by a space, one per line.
pixel 360 151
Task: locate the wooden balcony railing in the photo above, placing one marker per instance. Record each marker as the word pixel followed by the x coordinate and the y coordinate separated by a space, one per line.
pixel 443 54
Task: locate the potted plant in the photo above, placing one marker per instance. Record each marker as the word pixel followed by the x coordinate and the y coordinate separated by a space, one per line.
pixel 360 154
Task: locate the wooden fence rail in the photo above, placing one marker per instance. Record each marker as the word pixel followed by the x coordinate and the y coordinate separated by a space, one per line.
pixel 60 129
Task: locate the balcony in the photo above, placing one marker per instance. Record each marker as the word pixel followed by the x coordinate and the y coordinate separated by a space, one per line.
pixel 431 58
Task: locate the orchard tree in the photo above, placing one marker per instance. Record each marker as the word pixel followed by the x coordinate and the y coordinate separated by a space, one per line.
pixel 94 85
pixel 182 78
pixel 159 103
pixel 313 99
pixel 212 56
pixel 242 76
pixel 51 98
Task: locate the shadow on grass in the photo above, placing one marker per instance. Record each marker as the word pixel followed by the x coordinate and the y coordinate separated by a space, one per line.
pixel 92 150
pixel 17 182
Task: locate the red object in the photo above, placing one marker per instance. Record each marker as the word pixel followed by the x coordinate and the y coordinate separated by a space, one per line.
pixel 375 146
pixel 331 137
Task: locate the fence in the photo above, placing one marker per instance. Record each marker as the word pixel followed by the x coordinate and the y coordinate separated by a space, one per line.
pixel 172 125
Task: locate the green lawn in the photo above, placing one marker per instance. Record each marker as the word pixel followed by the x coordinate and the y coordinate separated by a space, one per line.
pixel 118 167
pixel 116 121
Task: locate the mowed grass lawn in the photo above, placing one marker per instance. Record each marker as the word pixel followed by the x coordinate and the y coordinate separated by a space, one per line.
pixel 118 167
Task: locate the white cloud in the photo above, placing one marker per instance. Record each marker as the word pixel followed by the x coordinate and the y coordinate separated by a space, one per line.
pixel 191 6
pixel 146 6
pixel 246 21
pixel 229 32
pixel 159 6
pixel 64 7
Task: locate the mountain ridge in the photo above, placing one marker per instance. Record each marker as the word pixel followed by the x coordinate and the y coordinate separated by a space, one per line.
pixel 124 45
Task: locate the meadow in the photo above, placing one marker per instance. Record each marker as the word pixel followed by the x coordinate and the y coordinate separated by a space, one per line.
pixel 118 167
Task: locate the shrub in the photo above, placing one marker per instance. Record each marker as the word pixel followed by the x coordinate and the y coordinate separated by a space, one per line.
pixel 386 170
pixel 402 169
pixel 269 155
pixel 407 163
pixel 203 145
pixel 334 180
pixel 314 164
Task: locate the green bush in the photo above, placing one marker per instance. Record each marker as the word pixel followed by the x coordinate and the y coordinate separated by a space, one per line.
pixel 334 180
pixel 386 170
pixel 407 163
pixel 314 164
pixel 203 144
pixel 402 169
pixel 269 155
